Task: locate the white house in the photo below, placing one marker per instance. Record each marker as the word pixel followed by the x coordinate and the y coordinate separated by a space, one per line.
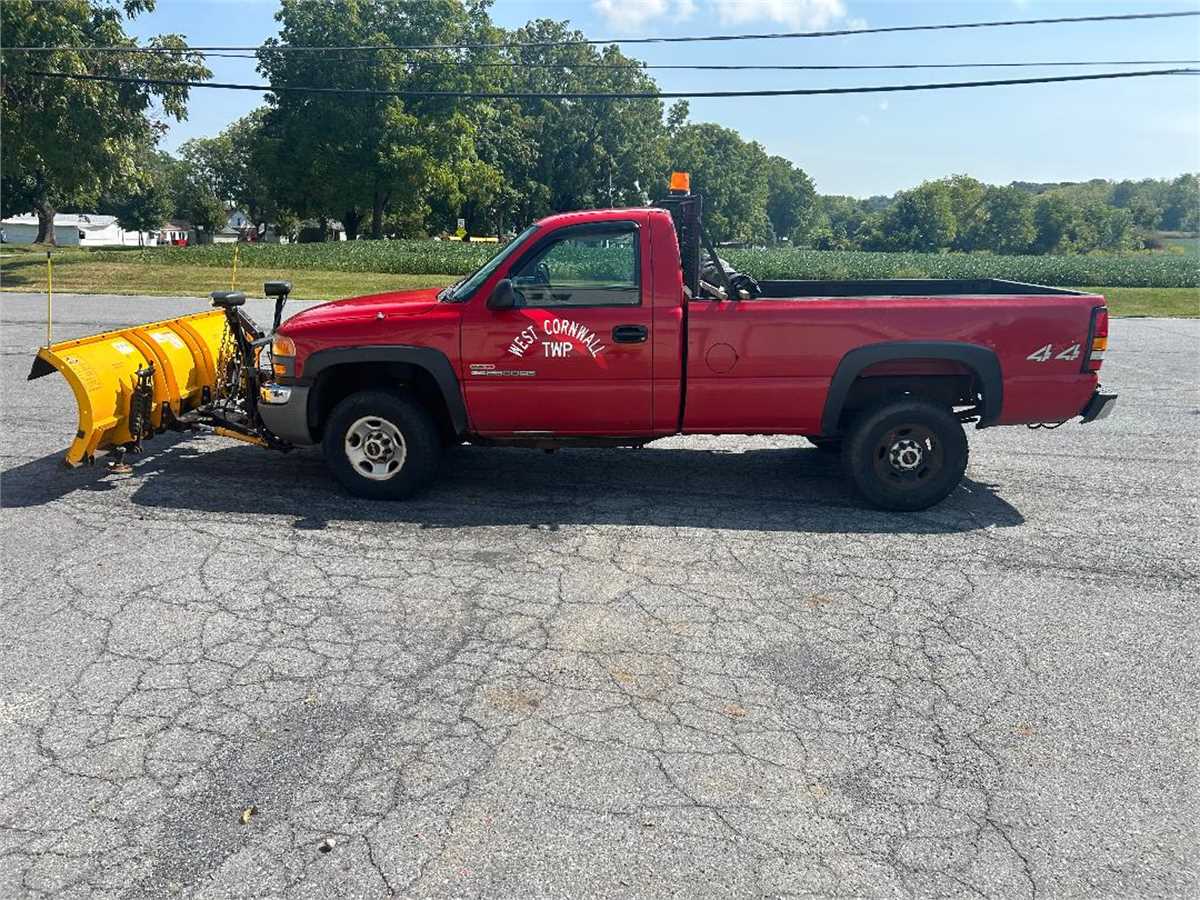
pixel 177 233
pixel 78 229
pixel 238 227
pixel 24 229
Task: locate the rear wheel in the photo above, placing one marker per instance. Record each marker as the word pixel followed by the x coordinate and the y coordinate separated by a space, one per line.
pixel 905 455
pixel 381 446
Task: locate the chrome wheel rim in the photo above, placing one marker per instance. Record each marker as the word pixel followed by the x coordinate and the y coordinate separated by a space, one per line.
pixel 375 448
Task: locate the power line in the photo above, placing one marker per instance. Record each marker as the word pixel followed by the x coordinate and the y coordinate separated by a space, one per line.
pixel 843 32
pixel 636 65
pixel 634 95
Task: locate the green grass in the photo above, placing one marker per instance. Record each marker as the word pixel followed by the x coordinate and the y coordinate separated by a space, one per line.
pixel 92 272
pixel 418 257
pixel 1189 246
pixel 1178 303
pixel 196 271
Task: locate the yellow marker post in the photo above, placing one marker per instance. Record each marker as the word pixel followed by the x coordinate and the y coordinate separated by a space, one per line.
pixel 49 298
pixel 233 277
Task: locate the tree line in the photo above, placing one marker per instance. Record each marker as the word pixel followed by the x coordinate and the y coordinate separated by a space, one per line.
pixel 403 167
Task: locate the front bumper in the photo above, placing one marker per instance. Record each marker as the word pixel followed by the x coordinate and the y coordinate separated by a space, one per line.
pixel 1099 407
pixel 283 408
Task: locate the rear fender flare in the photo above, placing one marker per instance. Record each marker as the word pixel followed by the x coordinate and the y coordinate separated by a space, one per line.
pixel 980 360
pixel 432 361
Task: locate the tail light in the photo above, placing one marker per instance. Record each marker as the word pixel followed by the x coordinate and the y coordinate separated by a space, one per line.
pixel 1098 340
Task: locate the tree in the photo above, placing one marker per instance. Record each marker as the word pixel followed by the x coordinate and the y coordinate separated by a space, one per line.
pixel 1181 210
pixel 65 141
pixel 921 219
pixel 369 156
pixel 1008 225
pixel 560 155
pixel 146 200
pixel 1054 216
pixel 839 222
pixel 967 206
pixel 677 115
pixel 791 200
pixel 1072 222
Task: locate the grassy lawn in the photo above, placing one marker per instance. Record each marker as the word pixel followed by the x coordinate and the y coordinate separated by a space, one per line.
pixel 79 271
pixel 82 271
pixel 1177 303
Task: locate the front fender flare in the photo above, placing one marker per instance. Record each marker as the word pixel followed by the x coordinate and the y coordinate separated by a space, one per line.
pixel 435 362
pixel 980 360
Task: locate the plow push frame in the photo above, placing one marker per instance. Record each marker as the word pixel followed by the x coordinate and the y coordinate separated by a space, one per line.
pixel 202 370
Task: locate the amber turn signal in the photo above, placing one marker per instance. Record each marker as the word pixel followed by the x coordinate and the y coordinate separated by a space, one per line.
pixel 283 346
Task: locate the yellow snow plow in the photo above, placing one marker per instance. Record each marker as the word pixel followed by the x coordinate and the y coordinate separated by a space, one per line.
pixel 179 374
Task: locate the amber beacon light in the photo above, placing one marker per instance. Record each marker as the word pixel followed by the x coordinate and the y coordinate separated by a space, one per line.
pixel 681 183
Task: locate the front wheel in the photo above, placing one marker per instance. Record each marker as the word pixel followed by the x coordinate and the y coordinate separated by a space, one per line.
pixel 905 455
pixel 381 446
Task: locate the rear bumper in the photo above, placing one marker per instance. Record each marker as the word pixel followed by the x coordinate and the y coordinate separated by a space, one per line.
pixel 1099 407
pixel 284 410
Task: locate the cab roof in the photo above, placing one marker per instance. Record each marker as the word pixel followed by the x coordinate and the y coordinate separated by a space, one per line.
pixel 584 216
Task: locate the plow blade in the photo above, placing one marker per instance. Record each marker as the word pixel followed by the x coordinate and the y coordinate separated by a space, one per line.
pixel 175 360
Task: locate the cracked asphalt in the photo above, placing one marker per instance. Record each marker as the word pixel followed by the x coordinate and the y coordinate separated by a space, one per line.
pixel 696 669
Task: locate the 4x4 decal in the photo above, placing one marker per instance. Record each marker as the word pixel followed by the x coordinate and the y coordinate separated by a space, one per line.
pixel 1046 353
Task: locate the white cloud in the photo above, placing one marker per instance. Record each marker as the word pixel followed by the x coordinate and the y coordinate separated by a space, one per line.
pixel 795 13
pixel 628 14
pixel 883 105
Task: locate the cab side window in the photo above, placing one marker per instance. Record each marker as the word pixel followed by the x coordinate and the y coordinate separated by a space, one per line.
pixel 586 266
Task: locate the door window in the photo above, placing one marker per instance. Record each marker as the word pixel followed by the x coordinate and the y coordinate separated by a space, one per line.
pixel 583 267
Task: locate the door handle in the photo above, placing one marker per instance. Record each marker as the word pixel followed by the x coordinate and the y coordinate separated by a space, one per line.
pixel 629 334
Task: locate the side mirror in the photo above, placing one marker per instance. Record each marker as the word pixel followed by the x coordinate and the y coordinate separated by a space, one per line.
pixel 504 295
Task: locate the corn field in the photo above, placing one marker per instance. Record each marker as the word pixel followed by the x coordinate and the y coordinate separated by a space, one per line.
pixel 454 258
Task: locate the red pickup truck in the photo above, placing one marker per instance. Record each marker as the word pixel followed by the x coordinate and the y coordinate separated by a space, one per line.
pixel 591 329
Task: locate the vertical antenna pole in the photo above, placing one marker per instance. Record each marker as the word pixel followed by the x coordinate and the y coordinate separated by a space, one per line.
pixel 233 277
pixel 49 298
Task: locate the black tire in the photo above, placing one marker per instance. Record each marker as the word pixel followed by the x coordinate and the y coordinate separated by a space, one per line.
pixel 905 455
pixel 824 444
pixel 398 445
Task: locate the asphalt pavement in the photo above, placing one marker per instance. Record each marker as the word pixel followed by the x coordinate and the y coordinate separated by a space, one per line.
pixel 696 669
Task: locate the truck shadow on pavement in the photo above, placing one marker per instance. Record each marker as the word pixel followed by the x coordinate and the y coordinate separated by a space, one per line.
pixel 775 489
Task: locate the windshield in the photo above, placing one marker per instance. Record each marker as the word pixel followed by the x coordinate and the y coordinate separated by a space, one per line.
pixel 464 288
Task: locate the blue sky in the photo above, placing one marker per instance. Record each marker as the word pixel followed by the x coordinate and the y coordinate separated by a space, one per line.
pixel 858 145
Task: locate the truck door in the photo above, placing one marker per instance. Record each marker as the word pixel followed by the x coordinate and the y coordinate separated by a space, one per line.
pixel 574 356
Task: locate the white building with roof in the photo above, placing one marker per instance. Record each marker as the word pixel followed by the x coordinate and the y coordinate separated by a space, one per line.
pixel 78 230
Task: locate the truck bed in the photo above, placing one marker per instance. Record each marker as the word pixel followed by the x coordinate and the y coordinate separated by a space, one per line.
pixel 905 287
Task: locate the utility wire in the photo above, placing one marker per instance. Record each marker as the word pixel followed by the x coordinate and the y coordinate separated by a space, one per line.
pixel 636 65
pixel 634 95
pixel 684 39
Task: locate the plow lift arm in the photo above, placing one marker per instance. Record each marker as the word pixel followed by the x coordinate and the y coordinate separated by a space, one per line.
pixel 200 370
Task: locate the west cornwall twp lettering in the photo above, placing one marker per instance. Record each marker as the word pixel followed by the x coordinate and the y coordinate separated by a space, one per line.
pixel 579 335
